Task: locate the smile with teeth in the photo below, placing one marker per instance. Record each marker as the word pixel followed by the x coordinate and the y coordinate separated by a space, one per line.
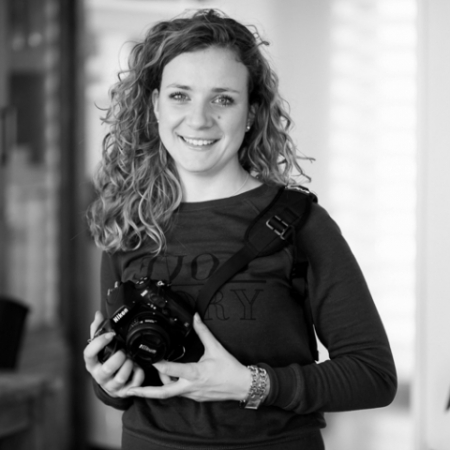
pixel 198 142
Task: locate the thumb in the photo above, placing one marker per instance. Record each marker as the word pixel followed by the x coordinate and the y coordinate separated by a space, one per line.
pixel 206 337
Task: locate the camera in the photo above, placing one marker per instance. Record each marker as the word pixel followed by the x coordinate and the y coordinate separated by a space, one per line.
pixel 151 323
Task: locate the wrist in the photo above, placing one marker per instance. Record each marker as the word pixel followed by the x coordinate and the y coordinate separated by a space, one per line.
pixel 259 388
pixel 107 392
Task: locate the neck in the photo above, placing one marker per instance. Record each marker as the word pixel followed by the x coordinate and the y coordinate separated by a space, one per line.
pixel 199 189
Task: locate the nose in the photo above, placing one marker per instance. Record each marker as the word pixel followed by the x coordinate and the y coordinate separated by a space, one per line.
pixel 199 116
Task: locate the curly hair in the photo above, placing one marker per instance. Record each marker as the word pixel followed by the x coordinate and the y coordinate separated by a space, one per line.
pixel 137 183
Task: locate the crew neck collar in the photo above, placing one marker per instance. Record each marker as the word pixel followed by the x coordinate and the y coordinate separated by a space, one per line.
pixel 223 202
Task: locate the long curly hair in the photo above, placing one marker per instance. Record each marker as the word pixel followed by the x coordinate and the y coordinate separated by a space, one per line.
pixel 137 184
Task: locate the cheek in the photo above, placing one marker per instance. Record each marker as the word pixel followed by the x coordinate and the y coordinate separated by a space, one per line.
pixel 167 135
pixel 167 113
pixel 168 124
pixel 237 128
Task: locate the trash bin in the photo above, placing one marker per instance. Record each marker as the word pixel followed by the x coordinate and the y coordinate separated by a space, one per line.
pixel 12 321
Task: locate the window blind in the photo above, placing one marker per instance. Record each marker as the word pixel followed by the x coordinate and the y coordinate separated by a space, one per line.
pixel 372 145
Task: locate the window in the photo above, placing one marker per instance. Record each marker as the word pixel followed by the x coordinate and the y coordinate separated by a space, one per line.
pixel 372 177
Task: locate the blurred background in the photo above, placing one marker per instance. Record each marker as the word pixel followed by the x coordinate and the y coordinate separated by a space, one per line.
pixel 368 86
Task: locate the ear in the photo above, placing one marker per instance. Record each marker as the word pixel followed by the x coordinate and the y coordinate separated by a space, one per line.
pixel 251 115
pixel 155 101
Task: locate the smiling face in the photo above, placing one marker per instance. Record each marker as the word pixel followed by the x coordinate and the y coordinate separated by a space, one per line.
pixel 203 111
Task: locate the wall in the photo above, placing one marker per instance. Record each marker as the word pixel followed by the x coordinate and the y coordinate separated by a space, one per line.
pixel 432 388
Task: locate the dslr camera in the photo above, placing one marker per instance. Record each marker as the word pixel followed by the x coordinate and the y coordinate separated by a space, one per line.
pixel 151 322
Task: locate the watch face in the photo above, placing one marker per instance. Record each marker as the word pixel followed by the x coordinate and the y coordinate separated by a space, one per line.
pixel 253 403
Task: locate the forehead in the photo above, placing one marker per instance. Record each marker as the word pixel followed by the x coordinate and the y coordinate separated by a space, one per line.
pixel 212 67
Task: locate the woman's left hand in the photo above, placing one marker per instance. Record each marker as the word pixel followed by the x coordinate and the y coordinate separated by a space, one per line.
pixel 218 375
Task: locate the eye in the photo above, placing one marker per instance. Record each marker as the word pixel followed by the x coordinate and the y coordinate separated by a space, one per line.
pixel 224 100
pixel 178 96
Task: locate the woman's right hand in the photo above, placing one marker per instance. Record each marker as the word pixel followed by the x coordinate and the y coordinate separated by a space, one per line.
pixel 118 373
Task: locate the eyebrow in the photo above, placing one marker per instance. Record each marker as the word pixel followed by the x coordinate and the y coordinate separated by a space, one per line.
pixel 216 90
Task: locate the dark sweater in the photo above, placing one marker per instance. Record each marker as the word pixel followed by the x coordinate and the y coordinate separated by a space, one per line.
pixel 258 320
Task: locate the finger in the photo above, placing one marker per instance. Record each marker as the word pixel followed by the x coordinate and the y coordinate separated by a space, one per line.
pixel 91 350
pixel 104 373
pixel 123 374
pixel 165 379
pixel 176 370
pixel 113 364
pixel 114 383
pixel 138 377
pixel 208 339
pixel 135 378
pixel 98 319
pixel 170 390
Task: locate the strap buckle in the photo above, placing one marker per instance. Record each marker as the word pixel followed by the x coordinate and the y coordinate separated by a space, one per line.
pixel 279 227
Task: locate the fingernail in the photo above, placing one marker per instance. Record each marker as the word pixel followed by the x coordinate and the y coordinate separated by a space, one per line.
pixel 110 335
pixel 197 317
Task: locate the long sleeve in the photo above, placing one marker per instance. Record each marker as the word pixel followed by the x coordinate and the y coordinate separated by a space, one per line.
pixel 360 373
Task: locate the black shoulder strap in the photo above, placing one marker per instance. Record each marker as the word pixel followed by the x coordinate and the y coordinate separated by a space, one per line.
pixel 300 285
pixel 269 232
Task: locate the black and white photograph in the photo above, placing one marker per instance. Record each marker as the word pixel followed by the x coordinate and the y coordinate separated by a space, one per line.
pixel 224 224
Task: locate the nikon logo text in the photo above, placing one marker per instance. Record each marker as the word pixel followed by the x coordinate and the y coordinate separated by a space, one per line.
pixel 119 315
pixel 147 349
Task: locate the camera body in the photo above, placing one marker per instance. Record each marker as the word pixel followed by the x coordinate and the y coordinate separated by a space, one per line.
pixel 151 322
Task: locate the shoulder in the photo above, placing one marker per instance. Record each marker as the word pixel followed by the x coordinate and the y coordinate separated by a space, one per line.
pixel 109 265
pixel 318 231
pixel 320 224
pixel 319 220
pixel 125 265
pixel 322 240
pixel 299 190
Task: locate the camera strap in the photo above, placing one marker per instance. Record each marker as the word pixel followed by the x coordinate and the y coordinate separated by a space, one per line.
pixel 273 229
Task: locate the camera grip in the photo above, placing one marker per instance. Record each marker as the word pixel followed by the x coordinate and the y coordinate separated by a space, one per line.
pixel 115 298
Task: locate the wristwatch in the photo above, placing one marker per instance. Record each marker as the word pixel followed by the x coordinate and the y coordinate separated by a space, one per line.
pixel 259 388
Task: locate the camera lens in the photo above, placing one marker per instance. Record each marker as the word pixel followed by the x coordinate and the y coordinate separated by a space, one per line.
pixel 147 340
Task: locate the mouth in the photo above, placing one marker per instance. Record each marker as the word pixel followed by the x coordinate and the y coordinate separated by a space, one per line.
pixel 197 142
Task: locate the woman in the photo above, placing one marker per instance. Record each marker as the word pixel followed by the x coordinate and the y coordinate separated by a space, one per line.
pixel 199 145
